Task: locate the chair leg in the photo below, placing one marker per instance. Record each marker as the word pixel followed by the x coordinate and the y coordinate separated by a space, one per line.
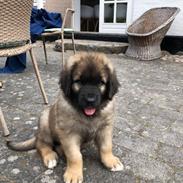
pixel 63 61
pixel 3 124
pixel 96 25
pixel 73 43
pixel 44 47
pixel 87 24
pixel 1 84
pixel 36 69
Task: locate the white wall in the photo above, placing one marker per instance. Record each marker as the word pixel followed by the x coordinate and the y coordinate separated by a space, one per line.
pixel 39 3
pixel 76 6
pixel 140 6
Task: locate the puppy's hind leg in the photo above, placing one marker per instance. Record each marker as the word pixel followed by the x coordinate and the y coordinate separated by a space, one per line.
pixel 44 143
pixel 59 150
pixel 49 156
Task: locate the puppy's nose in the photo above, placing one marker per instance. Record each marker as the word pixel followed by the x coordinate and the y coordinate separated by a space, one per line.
pixel 91 97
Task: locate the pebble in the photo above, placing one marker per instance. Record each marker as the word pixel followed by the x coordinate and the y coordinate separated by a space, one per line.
pixel 128 167
pixel 12 158
pixel 15 171
pixel 33 118
pixel 48 172
pixel 2 161
pixel 47 179
pixel 145 133
pixel 35 128
pixel 16 118
pixel 28 122
pixel 36 168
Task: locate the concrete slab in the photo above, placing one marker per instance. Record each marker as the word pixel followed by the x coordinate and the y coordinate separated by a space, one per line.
pixel 148 132
pixel 90 45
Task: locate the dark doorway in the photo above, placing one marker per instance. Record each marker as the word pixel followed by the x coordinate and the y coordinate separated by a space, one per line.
pixel 89 16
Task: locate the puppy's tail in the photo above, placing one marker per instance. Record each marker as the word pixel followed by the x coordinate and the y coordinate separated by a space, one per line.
pixel 22 146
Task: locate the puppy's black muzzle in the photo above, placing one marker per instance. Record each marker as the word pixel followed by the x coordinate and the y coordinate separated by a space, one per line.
pixel 89 96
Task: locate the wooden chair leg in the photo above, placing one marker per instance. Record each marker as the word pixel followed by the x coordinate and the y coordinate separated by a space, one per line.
pixel 63 61
pixel 3 124
pixel 36 69
pixel 44 47
pixel 73 43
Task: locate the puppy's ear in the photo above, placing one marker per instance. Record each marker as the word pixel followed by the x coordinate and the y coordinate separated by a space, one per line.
pixel 113 85
pixel 65 81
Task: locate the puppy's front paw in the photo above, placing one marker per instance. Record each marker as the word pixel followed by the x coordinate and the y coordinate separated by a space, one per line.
pixel 73 176
pixel 50 160
pixel 113 163
pixel 117 166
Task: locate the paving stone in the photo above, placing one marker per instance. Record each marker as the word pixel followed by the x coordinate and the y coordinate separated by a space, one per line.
pixel 177 126
pixel 148 168
pixel 136 143
pixel 179 177
pixel 166 136
pixel 171 155
pixel 157 116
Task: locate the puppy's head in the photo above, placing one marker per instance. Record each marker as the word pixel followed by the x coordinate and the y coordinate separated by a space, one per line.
pixel 89 81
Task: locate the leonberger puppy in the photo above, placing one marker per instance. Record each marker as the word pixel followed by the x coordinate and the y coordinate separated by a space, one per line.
pixel 83 111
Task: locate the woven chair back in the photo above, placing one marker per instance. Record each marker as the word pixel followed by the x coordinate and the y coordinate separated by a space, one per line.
pixel 15 20
pixel 60 6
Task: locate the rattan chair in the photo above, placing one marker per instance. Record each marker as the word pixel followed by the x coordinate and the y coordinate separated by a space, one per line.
pixel 147 32
pixel 15 32
pixel 67 25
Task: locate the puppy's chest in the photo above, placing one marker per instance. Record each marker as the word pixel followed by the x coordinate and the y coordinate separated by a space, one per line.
pixel 89 134
pixel 90 130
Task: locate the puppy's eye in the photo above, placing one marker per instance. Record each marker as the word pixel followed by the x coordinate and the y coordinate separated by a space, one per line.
pixel 102 86
pixel 77 81
pixel 76 85
pixel 102 83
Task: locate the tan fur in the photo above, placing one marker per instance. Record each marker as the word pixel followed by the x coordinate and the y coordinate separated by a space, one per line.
pixel 61 122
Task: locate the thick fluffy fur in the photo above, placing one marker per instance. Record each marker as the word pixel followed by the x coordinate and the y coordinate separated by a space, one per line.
pixel 83 111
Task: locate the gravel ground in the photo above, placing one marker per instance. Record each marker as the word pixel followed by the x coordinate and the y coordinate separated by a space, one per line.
pixel 148 133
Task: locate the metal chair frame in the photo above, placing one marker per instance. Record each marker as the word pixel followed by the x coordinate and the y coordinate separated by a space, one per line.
pixel 61 33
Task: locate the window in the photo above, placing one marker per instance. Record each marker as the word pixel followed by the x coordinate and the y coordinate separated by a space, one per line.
pixel 115 11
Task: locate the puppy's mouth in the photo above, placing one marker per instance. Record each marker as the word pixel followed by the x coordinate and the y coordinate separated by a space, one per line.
pixel 89 111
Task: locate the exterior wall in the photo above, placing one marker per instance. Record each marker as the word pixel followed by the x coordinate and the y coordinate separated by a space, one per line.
pixel 60 6
pixel 39 3
pixel 77 7
pixel 140 6
pixel 135 9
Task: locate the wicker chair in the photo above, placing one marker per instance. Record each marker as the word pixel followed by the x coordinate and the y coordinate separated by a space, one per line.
pixel 147 32
pixel 15 32
pixel 67 25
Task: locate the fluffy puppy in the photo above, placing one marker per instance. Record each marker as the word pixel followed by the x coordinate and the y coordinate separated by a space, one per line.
pixel 83 111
